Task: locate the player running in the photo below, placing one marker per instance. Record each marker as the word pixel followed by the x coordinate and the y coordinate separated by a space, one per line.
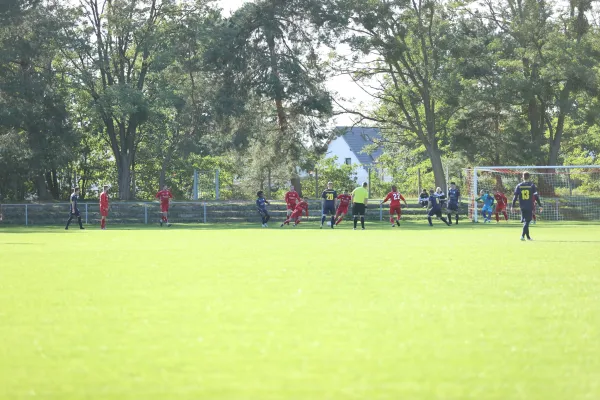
pixel 297 214
pixel 453 202
pixel 526 193
pixel 73 209
pixel 342 209
pixel 328 201
pixel 164 197
pixel 291 198
pixel 261 205
pixel 488 205
pixel 501 203
pixel 395 208
pixel 103 207
pixel 435 208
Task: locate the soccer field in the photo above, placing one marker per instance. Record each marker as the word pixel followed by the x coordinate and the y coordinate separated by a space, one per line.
pixel 190 312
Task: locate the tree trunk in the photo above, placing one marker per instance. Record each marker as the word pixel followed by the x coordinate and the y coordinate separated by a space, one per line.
pixel 41 188
pixel 124 176
pixel 435 156
pixel 268 182
pixel 297 185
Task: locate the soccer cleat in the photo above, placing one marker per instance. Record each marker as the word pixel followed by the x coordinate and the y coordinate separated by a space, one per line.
pixel 168 224
pixel 363 229
pixel 160 223
pixel 321 227
pixel 281 226
pixel 530 239
pixel 353 229
pixel 522 238
pixel 81 228
pixel 393 225
pixel 398 222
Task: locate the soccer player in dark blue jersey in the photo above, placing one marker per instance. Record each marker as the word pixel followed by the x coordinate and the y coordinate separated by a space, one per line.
pixel 435 208
pixel 526 193
pixel 453 202
pixel 328 200
pixel 73 209
pixel 261 205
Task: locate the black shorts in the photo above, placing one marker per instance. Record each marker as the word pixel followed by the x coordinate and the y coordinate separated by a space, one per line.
pixel 75 213
pixel 526 215
pixel 329 210
pixel 264 213
pixel 435 211
pixel 453 207
pixel 358 209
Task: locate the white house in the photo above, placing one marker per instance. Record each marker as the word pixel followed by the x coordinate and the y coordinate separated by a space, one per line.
pixel 349 148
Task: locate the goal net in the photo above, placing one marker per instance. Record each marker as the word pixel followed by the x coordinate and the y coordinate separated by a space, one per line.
pixel 568 193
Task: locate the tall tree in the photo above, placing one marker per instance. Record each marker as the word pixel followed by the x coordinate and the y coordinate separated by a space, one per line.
pixel 113 49
pixel 401 56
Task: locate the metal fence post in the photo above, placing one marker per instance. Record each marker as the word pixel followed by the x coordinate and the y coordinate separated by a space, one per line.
pixel 86 214
pixel 204 212
pixel 146 213
pixel 217 184
pixel 26 216
pixel 380 211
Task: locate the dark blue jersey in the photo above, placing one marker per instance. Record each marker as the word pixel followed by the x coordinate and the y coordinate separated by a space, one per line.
pixel 74 199
pixel 526 193
pixel 329 195
pixel 434 202
pixel 261 203
pixel 453 196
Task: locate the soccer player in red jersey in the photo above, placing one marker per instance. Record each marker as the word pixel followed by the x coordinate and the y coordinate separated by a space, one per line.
pixel 103 207
pixel 395 208
pixel 291 199
pixel 297 214
pixel 165 197
pixel 501 203
pixel 342 209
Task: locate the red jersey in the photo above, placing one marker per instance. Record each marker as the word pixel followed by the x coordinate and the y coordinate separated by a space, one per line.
pixel 292 197
pixel 302 206
pixel 395 197
pixel 164 196
pixel 344 200
pixel 103 200
pixel 501 199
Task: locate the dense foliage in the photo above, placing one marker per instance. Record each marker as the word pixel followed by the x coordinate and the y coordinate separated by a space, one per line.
pixel 140 93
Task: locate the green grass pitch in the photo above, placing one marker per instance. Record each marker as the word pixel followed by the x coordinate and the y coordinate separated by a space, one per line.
pixel 192 312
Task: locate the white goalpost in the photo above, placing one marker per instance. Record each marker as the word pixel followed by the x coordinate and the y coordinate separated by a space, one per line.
pixel 568 193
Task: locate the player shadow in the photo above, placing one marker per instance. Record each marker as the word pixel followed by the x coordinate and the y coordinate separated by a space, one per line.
pixel 567 241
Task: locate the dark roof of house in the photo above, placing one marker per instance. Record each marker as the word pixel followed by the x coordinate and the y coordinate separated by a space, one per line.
pixel 358 138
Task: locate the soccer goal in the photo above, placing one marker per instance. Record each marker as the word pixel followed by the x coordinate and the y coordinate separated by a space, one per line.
pixel 568 193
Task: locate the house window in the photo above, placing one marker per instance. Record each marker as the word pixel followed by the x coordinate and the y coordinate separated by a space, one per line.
pixel 348 161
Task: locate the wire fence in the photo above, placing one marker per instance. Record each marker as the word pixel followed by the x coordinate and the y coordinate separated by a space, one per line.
pixel 43 214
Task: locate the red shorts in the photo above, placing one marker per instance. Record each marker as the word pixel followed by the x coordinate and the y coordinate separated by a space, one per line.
pixel 296 215
pixel 500 208
pixel 164 207
pixel 342 210
pixel 396 210
pixel 291 206
pixel 104 212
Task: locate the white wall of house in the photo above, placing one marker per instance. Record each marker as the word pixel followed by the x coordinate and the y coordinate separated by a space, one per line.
pixel 339 148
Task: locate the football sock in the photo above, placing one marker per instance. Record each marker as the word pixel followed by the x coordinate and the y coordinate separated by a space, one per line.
pixel 362 222
pixel 69 221
pixel 497 217
pixel 332 221
pixel 526 229
pixel 456 219
pixel 267 218
pixel 450 217
pixel 505 215
pixel 80 224
pixel 323 219
pixel 391 220
pixel 355 221
pixel 339 219
pixel 429 219
pixel 445 221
